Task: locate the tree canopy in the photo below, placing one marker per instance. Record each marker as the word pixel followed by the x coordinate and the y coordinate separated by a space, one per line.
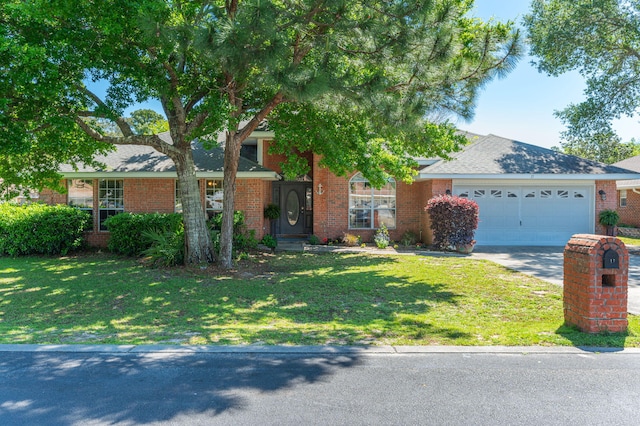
pixel 601 40
pixel 354 81
pixel 603 147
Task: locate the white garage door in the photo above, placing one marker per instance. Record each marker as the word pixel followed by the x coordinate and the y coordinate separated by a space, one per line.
pixel 527 215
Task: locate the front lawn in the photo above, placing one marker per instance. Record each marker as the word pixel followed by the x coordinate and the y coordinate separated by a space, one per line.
pixel 285 299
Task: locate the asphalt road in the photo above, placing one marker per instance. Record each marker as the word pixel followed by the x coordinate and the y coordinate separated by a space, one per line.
pixel 462 387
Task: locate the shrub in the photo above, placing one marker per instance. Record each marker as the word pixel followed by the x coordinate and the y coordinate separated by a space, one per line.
pixel 608 218
pixel 269 241
pixel 128 230
pixel 243 239
pixel 167 247
pixel 351 240
pixel 453 221
pixel 41 229
pixel 408 239
pixel 314 240
pixel 381 238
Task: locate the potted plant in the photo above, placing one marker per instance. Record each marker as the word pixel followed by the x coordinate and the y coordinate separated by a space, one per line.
pixel 609 219
pixel 272 212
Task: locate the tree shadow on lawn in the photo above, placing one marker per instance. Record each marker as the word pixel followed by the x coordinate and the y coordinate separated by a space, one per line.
pixel 329 299
pixel 81 388
pixel 593 342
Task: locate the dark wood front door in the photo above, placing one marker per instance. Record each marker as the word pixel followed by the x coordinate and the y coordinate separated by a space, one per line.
pixel 296 208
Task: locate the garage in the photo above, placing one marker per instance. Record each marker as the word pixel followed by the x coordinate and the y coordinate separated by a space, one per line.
pixel 540 215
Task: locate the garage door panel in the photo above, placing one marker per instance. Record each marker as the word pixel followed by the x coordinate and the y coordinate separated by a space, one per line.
pixel 522 215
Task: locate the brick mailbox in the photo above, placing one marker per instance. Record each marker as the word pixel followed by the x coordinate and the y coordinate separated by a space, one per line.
pixel 595 283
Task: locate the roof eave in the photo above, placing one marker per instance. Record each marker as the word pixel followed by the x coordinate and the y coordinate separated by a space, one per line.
pixel 263 175
pixel 545 176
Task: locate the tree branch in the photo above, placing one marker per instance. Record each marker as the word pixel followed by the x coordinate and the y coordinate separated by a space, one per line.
pixel 124 127
pixel 253 124
pixel 147 140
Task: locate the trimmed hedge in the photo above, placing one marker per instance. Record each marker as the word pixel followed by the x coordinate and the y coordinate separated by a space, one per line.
pixel 41 229
pixel 454 221
pixel 128 230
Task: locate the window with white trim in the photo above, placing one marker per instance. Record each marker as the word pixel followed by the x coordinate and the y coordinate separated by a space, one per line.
pixel 110 199
pixel 370 208
pixel 214 195
pixel 177 199
pixel 623 198
pixel 80 194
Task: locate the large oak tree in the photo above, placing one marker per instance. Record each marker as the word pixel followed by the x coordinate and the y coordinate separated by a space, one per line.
pixel 601 40
pixel 358 82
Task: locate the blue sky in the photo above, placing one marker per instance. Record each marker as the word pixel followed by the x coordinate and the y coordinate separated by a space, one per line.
pixel 521 105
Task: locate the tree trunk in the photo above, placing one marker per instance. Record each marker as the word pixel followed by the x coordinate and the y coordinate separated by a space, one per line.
pixel 231 159
pixel 198 244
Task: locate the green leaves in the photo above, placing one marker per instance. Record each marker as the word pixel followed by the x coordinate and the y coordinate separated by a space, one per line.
pixel 599 39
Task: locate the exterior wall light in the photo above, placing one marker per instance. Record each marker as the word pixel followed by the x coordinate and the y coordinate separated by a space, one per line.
pixel 603 195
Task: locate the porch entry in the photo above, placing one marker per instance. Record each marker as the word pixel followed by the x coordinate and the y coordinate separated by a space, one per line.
pixel 296 209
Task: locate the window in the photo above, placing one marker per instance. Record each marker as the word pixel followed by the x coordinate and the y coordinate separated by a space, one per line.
pixel 250 150
pixel 369 208
pixel 623 198
pixel 479 193
pixel 562 193
pixel 178 199
pixel 110 198
pixel 496 193
pixel 213 196
pixel 80 194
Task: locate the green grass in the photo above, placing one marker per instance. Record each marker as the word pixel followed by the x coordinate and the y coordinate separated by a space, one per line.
pixel 630 241
pixel 285 299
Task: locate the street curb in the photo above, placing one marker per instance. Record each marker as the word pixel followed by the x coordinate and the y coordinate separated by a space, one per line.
pixel 316 350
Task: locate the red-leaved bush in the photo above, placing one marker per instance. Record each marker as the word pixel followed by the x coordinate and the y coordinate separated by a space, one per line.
pixel 454 221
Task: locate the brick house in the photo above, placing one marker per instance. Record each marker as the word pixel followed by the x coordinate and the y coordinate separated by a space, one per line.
pixel 528 195
pixel 629 194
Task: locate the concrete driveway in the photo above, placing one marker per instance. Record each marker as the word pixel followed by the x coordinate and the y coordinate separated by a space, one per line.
pixel 547 263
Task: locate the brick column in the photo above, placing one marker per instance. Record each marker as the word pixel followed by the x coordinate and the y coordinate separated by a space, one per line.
pixel 595 283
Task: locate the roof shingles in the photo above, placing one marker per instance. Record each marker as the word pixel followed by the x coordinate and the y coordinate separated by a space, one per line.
pixel 494 155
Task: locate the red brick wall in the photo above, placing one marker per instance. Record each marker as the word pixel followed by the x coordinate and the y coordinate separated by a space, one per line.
pixel 51 197
pixel 271 162
pixel 158 196
pixel 331 209
pixel 630 214
pixel 250 198
pixel 149 195
pixel 609 187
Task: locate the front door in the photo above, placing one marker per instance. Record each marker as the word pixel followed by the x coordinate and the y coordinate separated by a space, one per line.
pixel 296 208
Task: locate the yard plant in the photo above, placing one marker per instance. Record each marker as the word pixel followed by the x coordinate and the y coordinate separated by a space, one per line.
pixel 285 299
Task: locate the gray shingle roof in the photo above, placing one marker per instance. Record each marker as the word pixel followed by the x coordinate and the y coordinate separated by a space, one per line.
pixel 144 159
pixel 632 163
pixel 494 155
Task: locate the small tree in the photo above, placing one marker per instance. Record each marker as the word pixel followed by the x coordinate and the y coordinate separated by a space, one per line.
pixel 453 221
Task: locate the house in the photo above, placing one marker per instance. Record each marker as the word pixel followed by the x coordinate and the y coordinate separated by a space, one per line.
pixel 527 195
pixel 629 194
